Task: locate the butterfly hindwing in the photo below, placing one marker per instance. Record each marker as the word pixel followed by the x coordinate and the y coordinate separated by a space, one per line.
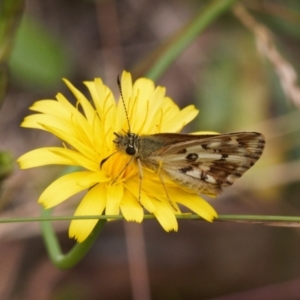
pixel 206 164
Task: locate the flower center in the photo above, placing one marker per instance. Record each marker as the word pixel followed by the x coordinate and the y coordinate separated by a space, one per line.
pixel 120 167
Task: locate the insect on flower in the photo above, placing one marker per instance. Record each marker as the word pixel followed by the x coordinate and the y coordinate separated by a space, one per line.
pixel 203 164
pixel 145 166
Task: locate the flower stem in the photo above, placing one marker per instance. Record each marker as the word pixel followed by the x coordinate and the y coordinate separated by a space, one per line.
pixel 10 15
pixel 187 216
pixel 165 55
pixel 65 261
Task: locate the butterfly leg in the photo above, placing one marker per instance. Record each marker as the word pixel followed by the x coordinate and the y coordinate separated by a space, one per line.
pixel 141 179
pixel 166 191
pixel 121 172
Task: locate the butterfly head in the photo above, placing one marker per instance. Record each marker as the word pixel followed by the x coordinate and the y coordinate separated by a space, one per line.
pixel 127 143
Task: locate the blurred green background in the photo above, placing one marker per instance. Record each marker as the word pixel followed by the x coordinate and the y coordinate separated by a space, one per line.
pixel 235 87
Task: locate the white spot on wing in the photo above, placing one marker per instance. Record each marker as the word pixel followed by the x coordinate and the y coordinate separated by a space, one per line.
pixel 210 156
pixel 194 173
pixel 210 179
pixel 214 145
pixel 231 178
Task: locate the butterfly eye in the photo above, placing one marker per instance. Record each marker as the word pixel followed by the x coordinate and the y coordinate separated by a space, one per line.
pixel 130 150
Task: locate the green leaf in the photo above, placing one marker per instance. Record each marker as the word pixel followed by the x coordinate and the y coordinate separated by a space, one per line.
pixel 6 164
pixel 38 59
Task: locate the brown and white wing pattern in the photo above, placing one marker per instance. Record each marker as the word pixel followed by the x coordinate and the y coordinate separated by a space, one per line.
pixel 206 164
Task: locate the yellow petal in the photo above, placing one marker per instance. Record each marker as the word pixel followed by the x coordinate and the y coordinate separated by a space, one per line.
pixel 71 140
pixel 126 85
pixel 55 156
pixel 131 209
pixel 83 127
pixel 93 178
pixel 41 157
pixel 38 120
pixel 63 188
pixel 50 107
pixel 114 197
pixel 146 201
pixel 139 103
pixel 76 158
pixel 106 110
pixel 92 204
pixel 67 130
pixel 101 95
pixel 165 216
pixel 194 203
pixel 88 109
pixel 154 112
pixel 178 121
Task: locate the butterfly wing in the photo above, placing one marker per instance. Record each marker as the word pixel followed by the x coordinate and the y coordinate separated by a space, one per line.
pixel 206 164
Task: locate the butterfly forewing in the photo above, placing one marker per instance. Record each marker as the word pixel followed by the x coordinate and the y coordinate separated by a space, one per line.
pixel 205 163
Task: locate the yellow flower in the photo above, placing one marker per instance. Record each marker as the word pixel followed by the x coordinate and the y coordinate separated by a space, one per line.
pixel 87 132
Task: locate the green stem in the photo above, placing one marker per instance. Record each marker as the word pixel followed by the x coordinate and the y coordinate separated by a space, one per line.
pixel 187 216
pixel 165 55
pixel 46 217
pixel 65 261
pixel 247 218
pixel 10 14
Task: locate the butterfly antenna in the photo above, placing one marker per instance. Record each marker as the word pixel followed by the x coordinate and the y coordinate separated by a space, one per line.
pixel 121 93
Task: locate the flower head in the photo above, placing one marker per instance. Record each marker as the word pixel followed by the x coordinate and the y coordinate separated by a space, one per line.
pixel 113 184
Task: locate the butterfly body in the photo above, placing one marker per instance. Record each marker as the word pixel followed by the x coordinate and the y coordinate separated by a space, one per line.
pixel 200 163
